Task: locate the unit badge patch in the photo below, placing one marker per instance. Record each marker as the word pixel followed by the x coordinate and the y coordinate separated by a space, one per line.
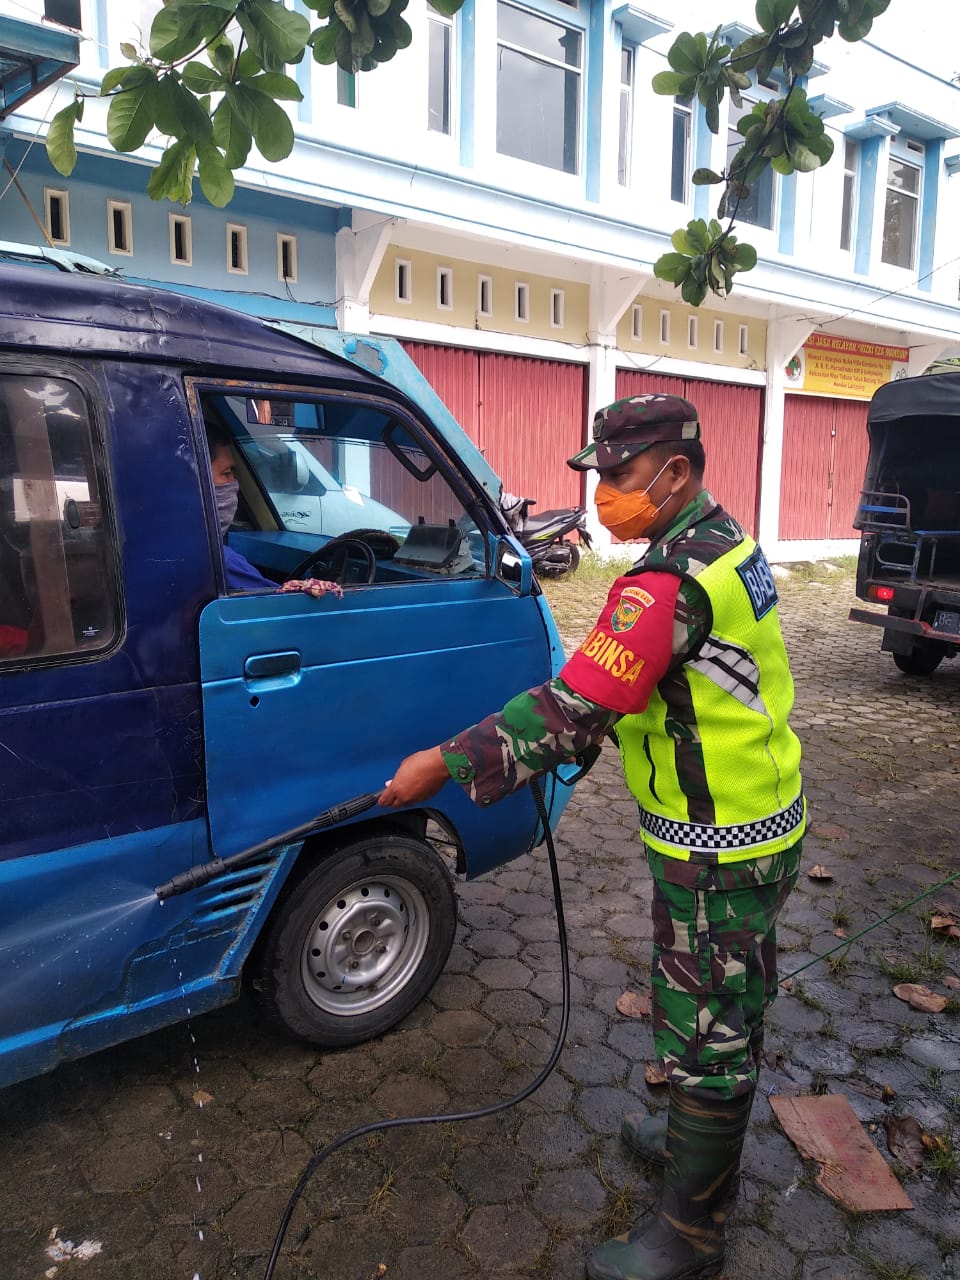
pixel 633 601
pixel 759 582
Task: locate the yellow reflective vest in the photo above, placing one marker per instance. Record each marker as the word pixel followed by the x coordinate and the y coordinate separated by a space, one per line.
pixel 712 760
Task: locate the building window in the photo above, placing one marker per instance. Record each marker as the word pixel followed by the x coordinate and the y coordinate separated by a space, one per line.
pixel 742 341
pixel 56 205
pixel 236 249
pixel 181 239
pixel 664 327
pixel 756 207
pixel 680 161
pixel 693 332
pixel 403 278
pixel 439 73
pixel 626 116
pixel 445 288
pixel 120 226
pixel 286 257
pixel 556 308
pixel 636 322
pixel 484 296
pixel 346 88
pixel 851 156
pixel 523 302
pixel 718 336
pixel 901 213
pixel 540 67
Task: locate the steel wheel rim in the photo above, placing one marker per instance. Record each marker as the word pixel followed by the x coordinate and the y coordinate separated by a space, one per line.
pixel 364 946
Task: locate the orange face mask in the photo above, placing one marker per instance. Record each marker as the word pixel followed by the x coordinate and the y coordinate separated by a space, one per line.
pixel 628 515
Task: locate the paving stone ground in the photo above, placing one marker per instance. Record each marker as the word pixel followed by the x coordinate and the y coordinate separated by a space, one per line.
pixel 114 1149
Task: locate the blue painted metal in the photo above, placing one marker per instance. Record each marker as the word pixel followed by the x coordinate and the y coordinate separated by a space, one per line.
pixel 702 146
pixel 788 212
pixel 32 57
pixel 467 33
pixel 871 150
pixel 122 771
pixel 932 168
pixel 593 75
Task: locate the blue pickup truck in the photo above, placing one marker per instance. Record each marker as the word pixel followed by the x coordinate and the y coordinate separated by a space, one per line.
pixel 152 718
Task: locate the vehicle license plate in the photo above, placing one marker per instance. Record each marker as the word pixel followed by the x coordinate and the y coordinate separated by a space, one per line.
pixel 945 620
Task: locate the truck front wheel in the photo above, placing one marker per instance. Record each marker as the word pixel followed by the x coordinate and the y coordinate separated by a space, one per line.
pixel 357 941
pixel 922 660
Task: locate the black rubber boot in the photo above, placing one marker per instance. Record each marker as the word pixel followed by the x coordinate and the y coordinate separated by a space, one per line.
pixel 685 1238
pixel 645 1135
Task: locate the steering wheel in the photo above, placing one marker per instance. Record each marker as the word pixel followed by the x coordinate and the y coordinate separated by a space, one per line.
pixel 333 559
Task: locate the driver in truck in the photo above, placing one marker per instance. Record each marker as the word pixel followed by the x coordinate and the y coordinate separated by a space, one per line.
pixel 241 574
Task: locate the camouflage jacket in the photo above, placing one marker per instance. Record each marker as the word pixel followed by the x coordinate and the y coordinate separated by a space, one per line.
pixel 553 722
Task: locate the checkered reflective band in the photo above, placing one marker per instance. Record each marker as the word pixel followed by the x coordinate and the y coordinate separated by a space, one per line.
pixel 698 837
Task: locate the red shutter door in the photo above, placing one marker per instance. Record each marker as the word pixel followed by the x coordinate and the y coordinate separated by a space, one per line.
pixel 731 427
pixel 633 382
pixel 805 475
pixel 850 447
pixel 455 376
pixel 532 418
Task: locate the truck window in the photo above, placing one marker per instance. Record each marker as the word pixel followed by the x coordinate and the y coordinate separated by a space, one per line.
pixel 312 470
pixel 56 593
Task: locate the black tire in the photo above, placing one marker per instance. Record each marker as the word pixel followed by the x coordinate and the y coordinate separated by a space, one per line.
pixel 922 660
pixel 357 941
pixel 574 557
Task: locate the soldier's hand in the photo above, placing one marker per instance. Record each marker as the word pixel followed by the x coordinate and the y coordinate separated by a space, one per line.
pixel 418 777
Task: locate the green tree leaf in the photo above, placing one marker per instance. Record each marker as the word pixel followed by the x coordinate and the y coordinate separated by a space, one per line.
pixel 172 178
pixel 178 113
pixel 281 31
pixel 277 86
pixel 447 7
pixel 674 83
pixel 686 55
pixel 132 111
pixel 231 135
pixel 673 267
pixel 705 178
pixel 200 77
pixel 61 148
pixel 216 178
pixel 267 121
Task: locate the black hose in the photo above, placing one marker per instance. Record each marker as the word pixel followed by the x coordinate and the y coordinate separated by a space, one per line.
pixel 380 1125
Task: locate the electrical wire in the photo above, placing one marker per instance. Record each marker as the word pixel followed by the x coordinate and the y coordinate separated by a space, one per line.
pixel 380 1126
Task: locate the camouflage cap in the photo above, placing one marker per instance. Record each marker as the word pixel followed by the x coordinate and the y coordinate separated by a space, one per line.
pixel 627 427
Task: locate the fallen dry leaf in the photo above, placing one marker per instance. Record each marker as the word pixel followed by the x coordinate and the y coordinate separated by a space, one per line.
pixel 888 1094
pixel 839 933
pixel 948 924
pixel 653 1075
pixel 786 984
pixel 852 1170
pixel 634 1004
pixel 865 1087
pixel 819 873
pixel 905 1140
pixel 202 1099
pixel 951 980
pixel 920 997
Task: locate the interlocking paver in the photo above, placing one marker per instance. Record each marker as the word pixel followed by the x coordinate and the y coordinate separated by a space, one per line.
pixel 109 1148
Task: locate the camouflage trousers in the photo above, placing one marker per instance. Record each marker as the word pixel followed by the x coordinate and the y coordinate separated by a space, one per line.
pixel 715 966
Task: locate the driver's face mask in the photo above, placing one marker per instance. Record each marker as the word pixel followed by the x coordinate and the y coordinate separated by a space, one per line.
pixel 228 495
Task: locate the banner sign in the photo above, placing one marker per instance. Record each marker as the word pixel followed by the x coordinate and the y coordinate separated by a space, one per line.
pixel 828 365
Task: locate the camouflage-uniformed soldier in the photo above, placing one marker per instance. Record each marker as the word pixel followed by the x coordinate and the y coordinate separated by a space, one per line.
pixel 688 662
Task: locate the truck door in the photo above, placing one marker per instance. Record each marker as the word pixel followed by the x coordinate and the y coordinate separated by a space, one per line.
pixel 308 701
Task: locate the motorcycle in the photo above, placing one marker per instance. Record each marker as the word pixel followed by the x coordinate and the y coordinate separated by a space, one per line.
pixel 544 535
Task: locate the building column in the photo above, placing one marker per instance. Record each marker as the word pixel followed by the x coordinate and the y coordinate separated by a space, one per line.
pixel 784 340
pixel 361 243
pixel 609 298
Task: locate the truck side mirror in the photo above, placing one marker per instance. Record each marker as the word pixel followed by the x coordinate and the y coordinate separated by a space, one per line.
pixel 513 567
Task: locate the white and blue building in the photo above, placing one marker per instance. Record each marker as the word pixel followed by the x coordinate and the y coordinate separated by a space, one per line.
pixel 496 197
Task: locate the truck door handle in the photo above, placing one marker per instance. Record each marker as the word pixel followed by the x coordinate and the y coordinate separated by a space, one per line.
pixel 270 666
